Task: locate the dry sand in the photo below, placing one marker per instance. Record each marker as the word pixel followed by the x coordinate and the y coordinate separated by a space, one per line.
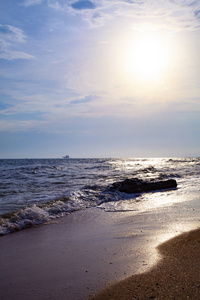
pixel 176 276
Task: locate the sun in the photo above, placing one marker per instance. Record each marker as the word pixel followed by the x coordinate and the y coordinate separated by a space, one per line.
pixel 148 56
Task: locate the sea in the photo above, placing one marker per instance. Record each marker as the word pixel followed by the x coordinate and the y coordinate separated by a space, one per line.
pixel 35 191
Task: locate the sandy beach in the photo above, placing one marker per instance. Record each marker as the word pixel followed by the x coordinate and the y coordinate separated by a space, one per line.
pixel 77 256
pixel 176 276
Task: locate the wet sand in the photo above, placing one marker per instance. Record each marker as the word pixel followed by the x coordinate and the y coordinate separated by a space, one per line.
pixel 80 254
pixel 176 276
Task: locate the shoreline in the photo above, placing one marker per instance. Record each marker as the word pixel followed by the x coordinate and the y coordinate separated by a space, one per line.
pixel 176 276
pixel 76 256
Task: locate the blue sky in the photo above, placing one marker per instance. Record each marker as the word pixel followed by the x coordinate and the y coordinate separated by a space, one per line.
pixel 109 78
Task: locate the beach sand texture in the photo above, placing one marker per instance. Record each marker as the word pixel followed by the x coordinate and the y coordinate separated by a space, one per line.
pixel 176 276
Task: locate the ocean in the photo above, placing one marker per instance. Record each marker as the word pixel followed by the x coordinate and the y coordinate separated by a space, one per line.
pixel 35 191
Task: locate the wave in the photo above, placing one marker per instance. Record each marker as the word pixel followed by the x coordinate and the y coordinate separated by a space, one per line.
pixel 88 196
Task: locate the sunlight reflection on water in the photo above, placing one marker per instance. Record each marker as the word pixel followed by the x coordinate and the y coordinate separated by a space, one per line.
pixel 150 201
pixel 157 168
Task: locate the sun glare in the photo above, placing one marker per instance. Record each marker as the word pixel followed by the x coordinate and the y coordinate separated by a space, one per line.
pixel 148 56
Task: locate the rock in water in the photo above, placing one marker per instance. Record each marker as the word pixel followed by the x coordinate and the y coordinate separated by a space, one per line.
pixel 135 185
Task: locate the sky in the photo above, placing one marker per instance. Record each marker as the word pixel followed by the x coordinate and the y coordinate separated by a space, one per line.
pixel 99 78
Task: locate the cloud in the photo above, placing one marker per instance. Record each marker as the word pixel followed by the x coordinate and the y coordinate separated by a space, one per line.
pixel 97 18
pixel 8 36
pixel 171 14
pixel 85 100
pixel 130 1
pixel 31 2
pixel 185 2
pixel 11 55
pixel 17 125
pixel 176 14
pixel 56 5
pixel 197 14
pixel 83 4
pixel 9 33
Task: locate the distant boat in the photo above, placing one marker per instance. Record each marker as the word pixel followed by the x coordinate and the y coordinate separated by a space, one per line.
pixel 66 156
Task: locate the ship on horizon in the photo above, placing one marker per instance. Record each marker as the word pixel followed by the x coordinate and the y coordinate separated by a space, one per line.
pixel 66 156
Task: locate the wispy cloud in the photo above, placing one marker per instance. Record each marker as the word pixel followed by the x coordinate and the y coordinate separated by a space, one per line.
pixel 32 2
pixel 183 14
pixel 11 55
pixel 171 14
pixel 97 18
pixel 14 126
pixel 10 35
pixel 85 100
